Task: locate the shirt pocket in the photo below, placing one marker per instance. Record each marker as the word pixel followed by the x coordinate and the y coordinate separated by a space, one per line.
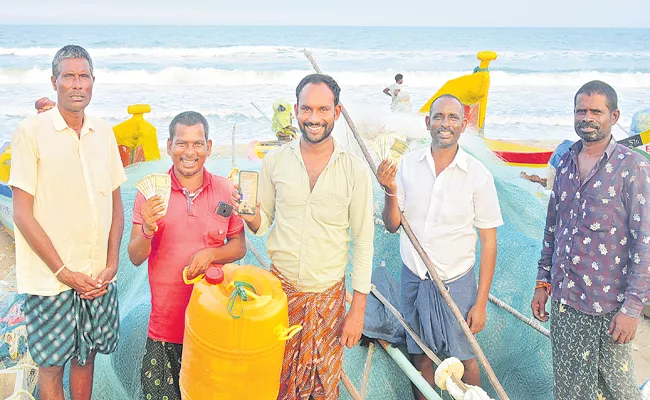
pixel 216 229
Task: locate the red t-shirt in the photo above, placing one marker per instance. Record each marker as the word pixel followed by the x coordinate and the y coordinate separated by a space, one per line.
pixel 186 228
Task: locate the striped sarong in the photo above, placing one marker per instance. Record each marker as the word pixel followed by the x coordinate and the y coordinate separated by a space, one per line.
pixel 63 327
pixel 313 359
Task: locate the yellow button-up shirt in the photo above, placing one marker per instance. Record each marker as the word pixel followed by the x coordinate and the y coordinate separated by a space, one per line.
pixel 309 242
pixel 72 179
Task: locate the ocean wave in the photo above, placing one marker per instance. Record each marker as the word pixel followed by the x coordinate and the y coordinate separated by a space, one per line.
pixel 158 113
pixel 175 76
pixel 326 53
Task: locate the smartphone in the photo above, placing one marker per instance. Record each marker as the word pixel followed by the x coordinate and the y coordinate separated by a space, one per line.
pixel 248 192
pixel 224 209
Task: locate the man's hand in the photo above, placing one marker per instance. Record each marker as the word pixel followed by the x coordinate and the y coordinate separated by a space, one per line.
pixel 234 200
pixel 352 327
pixel 78 281
pixel 199 262
pixel 151 211
pixel 538 305
pixel 104 278
pixel 476 318
pixel 386 176
pixel 623 328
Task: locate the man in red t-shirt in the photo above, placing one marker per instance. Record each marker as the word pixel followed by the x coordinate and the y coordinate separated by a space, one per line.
pixel 190 234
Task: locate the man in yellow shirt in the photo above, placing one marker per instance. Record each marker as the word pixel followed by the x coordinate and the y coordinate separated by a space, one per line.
pixel 316 192
pixel 65 176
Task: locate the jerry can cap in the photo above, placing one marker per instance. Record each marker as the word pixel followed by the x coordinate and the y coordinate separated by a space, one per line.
pixel 214 275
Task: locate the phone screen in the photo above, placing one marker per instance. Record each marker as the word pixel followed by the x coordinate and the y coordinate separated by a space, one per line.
pixel 248 192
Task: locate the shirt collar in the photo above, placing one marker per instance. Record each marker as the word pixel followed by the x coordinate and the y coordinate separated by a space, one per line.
pixel 460 159
pixel 60 124
pixel 295 146
pixel 577 146
pixel 176 185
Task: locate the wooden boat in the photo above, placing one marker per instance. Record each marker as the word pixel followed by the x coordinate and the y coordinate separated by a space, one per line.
pixel 472 90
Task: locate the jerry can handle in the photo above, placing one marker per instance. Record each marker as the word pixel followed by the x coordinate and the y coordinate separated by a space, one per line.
pixel 192 281
pixel 250 294
pixel 288 333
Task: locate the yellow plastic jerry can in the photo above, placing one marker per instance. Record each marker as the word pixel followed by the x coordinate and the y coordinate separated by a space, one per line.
pixel 236 325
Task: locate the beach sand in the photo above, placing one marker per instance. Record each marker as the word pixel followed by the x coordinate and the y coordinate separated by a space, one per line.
pixel 641 345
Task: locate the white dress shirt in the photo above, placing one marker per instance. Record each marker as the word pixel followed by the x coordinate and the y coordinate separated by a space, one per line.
pixel 444 211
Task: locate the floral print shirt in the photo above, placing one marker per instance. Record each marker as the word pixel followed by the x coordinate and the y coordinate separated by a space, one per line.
pixel 596 248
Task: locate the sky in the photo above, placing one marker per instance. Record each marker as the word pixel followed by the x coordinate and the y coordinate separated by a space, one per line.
pixel 500 13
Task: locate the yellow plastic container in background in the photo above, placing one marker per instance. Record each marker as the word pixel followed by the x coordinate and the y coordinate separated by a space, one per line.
pixel 233 349
pixel 136 137
pixel 5 162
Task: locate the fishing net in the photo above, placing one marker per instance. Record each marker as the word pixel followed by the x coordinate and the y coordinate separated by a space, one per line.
pixel 519 355
pixel 18 373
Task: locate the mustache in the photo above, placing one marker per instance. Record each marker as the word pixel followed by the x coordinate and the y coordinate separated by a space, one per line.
pixel 312 124
pixel 586 124
pixel 445 130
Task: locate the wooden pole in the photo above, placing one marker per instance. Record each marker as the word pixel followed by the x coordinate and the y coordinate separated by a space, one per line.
pixel 354 393
pixel 261 112
pixel 233 150
pixel 366 370
pixel 432 272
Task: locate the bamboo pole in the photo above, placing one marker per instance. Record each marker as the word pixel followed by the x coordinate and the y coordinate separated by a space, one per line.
pixel 354 393
pixel 530 322
pixel 432 272
pixel 233 150
pixel 366 370
pixel 432 356
pixel 256 253
pixel 261 112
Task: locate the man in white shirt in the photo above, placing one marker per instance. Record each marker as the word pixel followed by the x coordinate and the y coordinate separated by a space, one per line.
pixel 446 195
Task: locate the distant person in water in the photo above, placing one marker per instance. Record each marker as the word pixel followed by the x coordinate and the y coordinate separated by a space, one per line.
pixel 401 101
pixel 43 104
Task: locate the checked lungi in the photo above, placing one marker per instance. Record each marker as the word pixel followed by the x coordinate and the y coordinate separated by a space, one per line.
pixel 313 359
pixel 65 326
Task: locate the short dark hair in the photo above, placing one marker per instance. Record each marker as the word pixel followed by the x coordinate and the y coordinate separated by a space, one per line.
pixel 399 77
pixel 599 87
pixel 317 79
pixel 68 52
pixel 188 118
pixel 449 96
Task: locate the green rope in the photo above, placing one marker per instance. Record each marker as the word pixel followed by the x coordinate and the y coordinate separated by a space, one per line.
pixel 241 293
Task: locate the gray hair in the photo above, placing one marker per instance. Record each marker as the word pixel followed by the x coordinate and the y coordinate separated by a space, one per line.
pixel 68 52
pixel 449 96
pixel 188 118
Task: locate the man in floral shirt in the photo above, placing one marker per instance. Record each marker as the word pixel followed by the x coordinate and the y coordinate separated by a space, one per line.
pixel 595 261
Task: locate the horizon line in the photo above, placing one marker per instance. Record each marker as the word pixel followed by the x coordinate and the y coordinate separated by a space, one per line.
pixel 107 24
